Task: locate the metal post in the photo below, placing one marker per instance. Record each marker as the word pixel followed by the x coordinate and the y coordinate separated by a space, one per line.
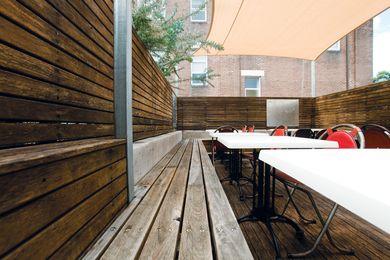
pixel 123 83
pixel 346 62
pixel 313 78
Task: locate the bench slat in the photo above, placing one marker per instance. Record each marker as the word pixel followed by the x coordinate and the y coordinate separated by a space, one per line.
pixel 228 239
pixel 128 242
pixel 195 242
pixel 11 159
pixel 140 189
pixel 162 239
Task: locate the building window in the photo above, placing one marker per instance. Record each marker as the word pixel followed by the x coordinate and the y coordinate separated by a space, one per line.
pixel 200 16
pixel 198 70
pixel 335 47
pixel 252 86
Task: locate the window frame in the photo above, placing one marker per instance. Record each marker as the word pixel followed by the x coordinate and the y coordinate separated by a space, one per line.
pixel 194 9
pixel 258 88
pixel 205 61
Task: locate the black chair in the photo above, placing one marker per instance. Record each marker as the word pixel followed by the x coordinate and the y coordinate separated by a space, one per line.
pixel 319 134
pixel 218 148
pixel 304 132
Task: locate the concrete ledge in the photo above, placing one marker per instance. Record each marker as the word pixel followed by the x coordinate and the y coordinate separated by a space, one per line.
pixel 195 134
pixel 147 152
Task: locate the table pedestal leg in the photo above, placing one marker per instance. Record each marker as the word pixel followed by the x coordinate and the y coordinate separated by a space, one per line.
pixel 264 209
pixel 235 174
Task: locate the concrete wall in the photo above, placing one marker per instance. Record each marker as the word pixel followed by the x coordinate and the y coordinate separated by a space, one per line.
pixel 147 152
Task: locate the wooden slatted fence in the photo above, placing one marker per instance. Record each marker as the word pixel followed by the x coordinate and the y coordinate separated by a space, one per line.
pixel 56 71
pixel 56 84
pixel 199 113
pixel 359 106
pixel 152 95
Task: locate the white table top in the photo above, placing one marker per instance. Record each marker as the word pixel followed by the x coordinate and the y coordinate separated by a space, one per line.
pixel 269 142
pixel 357 179
pixel 217 135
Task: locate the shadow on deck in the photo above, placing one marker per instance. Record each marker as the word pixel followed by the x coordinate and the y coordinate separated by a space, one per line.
pixel 347 229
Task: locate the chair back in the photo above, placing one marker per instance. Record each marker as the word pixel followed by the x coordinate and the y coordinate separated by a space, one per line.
pixel 319 134
pixel 304 132
pixel 376 136
pixel 226 129
pixel 279 131
pixel 347 136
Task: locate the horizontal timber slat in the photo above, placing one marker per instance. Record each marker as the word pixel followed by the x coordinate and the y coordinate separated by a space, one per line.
pixel 14 60
pixel 65 185
pixel 15 109
pixel 364 105
pixel 199 113
pixel 45 51
pixel 152 95
pixel 22 86
pixel 22 133
pixel 68 26
pixel 54 236
pixel 93 20
pixel 44 210
pixel 77 244
pixel 40 180
pixel 76 26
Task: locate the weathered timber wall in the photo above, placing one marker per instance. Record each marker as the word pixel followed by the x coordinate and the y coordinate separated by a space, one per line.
pixel 56 71
pixel 197 113
pixel 57 206
pixel 56 84
pixel 152 95
pixel 359 106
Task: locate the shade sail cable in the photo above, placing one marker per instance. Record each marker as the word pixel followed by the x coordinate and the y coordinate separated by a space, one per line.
pixel 234 21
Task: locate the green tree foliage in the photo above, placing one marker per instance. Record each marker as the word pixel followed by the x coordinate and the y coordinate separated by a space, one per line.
pixel 383 75
pixel 166 37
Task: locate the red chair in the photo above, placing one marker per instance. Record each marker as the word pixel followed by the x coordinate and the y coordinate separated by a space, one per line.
pixel 251 129
pixel 376 136
pixel 280 131
pixel 347 136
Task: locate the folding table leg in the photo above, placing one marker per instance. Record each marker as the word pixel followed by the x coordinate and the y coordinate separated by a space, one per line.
pixel 290 199
pixel 339 248
pixel 324 231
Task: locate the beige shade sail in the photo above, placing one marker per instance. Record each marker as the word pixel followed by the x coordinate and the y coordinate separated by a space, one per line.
pixel 286 28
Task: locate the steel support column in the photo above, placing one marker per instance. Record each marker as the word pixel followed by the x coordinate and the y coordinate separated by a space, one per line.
pixel 123 82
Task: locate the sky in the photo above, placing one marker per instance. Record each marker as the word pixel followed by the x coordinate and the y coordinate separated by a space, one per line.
pixel 381 42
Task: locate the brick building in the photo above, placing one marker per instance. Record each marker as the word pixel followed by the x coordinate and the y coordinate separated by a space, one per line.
pixel 350 59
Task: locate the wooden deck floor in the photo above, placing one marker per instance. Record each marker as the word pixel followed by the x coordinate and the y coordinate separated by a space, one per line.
pixel 347 229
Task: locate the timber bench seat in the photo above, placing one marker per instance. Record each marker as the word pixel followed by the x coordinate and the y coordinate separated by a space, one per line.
pixel 180 210
pixel 56 198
